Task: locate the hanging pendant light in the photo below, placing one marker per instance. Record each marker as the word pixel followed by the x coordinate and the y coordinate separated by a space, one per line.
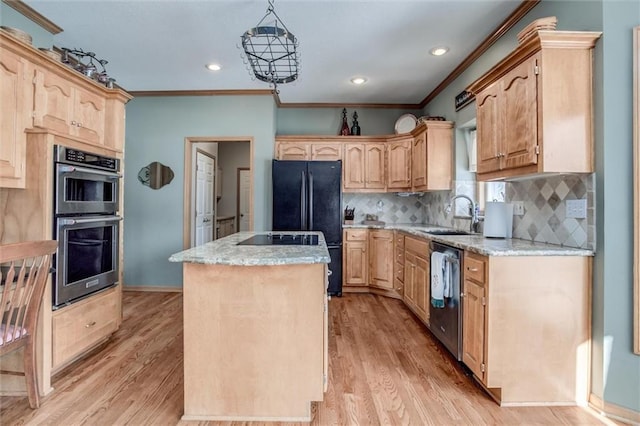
pixel 271 50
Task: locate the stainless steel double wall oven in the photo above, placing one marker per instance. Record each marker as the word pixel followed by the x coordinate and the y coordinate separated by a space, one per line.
pixel 86 224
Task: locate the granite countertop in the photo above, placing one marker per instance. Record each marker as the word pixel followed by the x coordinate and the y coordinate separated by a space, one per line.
pixel 225 251
pixel 481 245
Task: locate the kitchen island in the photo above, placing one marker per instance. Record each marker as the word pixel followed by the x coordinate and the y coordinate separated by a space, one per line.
pixel 255 329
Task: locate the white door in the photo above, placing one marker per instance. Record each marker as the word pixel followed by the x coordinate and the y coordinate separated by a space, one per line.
pixel 244 193
pixel 205 196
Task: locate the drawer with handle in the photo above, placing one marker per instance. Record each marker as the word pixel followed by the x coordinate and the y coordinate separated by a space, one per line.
pixel 81 325
pixel 475 267
pixel 355 234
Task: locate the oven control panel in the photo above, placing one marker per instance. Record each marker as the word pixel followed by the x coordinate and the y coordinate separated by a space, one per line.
pixel 75 156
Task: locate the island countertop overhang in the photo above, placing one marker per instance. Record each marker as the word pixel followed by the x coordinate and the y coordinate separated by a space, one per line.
pixel 226 251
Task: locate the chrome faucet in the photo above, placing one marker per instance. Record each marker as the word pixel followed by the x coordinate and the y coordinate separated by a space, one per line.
pixel 475 218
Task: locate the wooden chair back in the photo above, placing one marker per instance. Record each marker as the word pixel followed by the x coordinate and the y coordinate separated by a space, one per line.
pixel 24 268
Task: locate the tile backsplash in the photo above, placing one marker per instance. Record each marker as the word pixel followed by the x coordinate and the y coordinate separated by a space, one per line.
pixel 390 208
pixel 544 201
pixel 545 207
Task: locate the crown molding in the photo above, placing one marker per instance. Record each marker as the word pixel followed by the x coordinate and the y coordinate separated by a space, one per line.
pixel 497 33
pixel 348 105
pixel 151 93
pixel 36 17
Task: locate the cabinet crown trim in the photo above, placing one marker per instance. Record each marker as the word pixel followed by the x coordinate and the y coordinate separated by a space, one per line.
pixel 33 55
pixel 542 39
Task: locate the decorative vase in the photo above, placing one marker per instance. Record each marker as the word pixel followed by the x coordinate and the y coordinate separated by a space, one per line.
pixel 355 128
pixel 344 130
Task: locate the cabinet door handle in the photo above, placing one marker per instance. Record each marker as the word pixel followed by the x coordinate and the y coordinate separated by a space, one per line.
pixel 461 294
pixel 79 124
pixel 472 269
pixel 91 324
pixel 73 122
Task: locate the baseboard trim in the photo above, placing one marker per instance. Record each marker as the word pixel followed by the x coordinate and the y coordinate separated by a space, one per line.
pixel 152 289
pixel 614 411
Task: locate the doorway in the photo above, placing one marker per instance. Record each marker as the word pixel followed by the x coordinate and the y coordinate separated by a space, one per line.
pixel 189 209
pixel 243 198
pixel 205 215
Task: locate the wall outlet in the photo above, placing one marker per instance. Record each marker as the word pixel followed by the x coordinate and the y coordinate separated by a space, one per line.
pixel 518 208
pixel 577 209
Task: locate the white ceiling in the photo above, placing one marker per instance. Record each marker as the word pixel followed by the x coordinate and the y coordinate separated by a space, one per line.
pixel 165 44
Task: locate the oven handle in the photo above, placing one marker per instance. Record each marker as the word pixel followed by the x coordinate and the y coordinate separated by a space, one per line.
pixel 69 221
pixel 71 169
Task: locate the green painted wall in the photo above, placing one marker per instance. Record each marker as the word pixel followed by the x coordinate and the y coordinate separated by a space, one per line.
pixel 328 121
pixel 615 369
pixel 613 286
pixel 156 129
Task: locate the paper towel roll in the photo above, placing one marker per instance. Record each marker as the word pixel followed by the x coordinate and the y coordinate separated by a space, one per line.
pixel 498 220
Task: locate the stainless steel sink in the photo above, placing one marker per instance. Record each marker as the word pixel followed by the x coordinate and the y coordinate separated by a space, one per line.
pixel 447 232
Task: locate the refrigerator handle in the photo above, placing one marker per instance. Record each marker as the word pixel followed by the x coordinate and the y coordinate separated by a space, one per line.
pixel 303 201
pixel 310 201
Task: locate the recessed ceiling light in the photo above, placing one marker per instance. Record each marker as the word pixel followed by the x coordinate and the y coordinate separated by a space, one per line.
pixel 358 80
pixel 213 67
pixel 439 51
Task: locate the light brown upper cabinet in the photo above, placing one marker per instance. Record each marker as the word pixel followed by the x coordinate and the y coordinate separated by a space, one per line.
pixel 304 149
pixel 39 92
pixel 534 108
pixel 293 151
pixel 326 151
pixel 418 161
pixel 364 167
pixel 16 101
pixel 63 106
pixel 399 162
pixel 375 166
pixel 432 157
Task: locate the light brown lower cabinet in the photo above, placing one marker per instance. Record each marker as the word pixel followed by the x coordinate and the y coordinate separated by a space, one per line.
pixel 416 276
pixel 367 262
pixel 354 258
pixel 380 254
pixel 398 274
pixel 82 325
pixel 526 327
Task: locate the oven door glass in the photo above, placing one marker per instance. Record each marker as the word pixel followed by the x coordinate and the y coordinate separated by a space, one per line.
pixel 87 259
pixel 84 191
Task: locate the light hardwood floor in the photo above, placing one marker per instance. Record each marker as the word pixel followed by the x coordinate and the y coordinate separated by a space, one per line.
pixel 385 368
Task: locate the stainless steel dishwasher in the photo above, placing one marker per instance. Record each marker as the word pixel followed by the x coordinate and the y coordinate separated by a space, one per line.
pixel 446 321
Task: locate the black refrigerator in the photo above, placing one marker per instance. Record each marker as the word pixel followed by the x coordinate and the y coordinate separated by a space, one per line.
pixel 307 197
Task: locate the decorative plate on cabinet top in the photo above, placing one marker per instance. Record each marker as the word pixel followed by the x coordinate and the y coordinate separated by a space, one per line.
pixel 19 34
pixel 406 123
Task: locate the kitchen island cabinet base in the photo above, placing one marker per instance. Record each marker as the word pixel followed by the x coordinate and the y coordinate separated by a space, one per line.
pixel 255 341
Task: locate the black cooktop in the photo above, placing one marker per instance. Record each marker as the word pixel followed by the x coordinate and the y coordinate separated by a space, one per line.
pixel 281 240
